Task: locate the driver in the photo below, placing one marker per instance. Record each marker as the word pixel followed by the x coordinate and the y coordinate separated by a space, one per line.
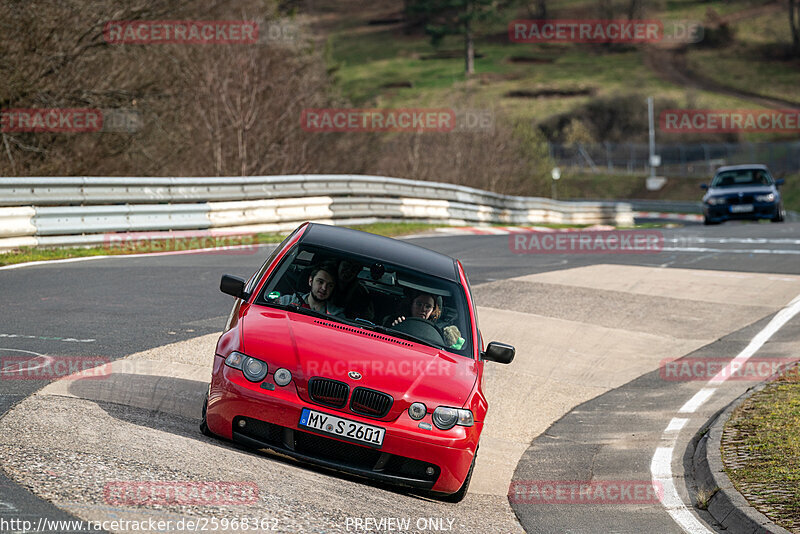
pixel 426 306
pixel 322 282
pixel 422 306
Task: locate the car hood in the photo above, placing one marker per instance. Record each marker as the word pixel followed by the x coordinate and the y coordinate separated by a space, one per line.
pixel 314 347
pixel 746 190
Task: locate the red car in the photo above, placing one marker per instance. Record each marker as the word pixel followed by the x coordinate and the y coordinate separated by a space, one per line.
pixel 358 353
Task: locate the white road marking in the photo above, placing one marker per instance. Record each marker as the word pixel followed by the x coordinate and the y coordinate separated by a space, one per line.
pixel 780 319
pixel 48 338
pixel 730 250
pixel 661 468
pixel 676 424
pixel 661 465
pixel 695 402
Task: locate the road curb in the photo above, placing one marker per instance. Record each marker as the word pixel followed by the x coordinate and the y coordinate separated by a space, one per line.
pixel 727 506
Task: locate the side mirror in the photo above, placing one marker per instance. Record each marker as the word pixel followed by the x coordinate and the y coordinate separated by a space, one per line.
pixel 781 181
pixel 499 352
pixel 704 186
pixel 233 286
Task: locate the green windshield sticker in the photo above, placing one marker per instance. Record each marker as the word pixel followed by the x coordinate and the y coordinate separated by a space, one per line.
pixel 458 344
pixel 273 295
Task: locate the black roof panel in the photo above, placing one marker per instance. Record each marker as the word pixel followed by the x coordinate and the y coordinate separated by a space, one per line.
pixel 381 248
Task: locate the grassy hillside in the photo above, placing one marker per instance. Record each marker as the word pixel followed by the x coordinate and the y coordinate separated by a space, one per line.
pixel 382 65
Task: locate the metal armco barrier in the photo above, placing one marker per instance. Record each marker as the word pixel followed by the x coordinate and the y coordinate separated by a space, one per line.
pixel 51 211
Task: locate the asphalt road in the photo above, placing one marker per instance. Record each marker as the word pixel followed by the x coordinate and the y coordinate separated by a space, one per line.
pixel 114 307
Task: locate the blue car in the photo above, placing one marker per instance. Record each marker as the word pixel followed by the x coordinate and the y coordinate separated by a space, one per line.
pixel 742 192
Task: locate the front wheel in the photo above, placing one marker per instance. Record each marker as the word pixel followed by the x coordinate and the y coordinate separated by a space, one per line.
pixel 780 215
pixel 203 423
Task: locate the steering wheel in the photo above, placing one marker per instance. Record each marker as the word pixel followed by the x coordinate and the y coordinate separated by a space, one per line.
pixel 421 328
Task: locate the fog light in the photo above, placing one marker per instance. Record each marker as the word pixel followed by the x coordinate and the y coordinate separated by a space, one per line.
pixel 242 423
pixel 430 471
pixel 417 411
pixel 282 377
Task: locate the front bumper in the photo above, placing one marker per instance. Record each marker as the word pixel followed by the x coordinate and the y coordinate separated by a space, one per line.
pixel 761 210
pixel 271 421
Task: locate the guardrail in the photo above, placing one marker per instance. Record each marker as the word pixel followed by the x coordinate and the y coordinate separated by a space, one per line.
pixel 84 210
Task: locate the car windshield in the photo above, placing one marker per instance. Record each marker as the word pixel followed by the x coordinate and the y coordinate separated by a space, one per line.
pixel 369 294
pixel 742 177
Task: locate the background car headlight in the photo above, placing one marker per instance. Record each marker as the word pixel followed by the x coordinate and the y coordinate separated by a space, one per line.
pixel 417 411
pixel 446 418
pixel 254 370
pixel 765 198
pixel 235 360
pixel 282 376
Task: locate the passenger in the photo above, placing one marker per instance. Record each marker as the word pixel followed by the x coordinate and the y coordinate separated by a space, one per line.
pixel 322 283
pixel 426 306
pixel 351 294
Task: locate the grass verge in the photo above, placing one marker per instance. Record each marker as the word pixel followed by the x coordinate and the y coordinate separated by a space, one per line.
pixel 762 452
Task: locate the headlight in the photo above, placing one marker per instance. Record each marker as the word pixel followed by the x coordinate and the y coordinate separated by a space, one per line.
pixel 254 370
pixel 417 411
pixel 446 418
pixel 282 376
pixel 715 201
pixel 235 360
pixel 765 198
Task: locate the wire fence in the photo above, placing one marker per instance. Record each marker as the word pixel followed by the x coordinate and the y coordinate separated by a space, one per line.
pixel 690 160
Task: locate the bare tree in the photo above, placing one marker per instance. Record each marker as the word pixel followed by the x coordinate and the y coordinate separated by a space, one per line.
pixel 794 24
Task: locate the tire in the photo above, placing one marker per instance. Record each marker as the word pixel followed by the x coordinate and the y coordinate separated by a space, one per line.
pixel 780 215
pixel 462 491
pixel 203 423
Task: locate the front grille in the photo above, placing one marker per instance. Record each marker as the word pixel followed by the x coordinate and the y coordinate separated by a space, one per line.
pixel 338 451
pixel 744 199
pixel 328 392
pixel 370 402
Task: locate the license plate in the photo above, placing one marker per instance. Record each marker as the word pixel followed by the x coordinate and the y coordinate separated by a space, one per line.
pixel 741 208
pixel 342 428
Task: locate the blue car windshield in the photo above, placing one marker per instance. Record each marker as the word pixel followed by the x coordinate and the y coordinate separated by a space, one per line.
pixel 745 177
pixel 366 292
